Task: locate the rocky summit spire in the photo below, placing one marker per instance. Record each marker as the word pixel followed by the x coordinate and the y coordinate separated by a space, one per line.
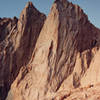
pixel 62 1
pixel 17 42
pixel 29 4
pixel 28 12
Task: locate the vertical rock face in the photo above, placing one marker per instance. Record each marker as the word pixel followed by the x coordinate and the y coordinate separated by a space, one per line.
pixel 65 50
pixel 61 54
pixel 7 27
pixel 17 41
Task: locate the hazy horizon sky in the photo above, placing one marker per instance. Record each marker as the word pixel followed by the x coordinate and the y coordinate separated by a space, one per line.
pixel 14 8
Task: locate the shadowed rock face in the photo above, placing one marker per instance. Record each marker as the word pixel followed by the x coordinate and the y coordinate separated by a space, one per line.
pixel 67 46
pixel 17 41
pixel 62 57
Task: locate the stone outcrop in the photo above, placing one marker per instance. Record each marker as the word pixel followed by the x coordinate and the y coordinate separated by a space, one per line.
pixel 17 41
pixel 64 56
pixel 59 61
pixel 90 92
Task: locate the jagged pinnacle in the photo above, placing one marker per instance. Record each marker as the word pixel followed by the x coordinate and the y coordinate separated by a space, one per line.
pixel 29 4
pixel 61 0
